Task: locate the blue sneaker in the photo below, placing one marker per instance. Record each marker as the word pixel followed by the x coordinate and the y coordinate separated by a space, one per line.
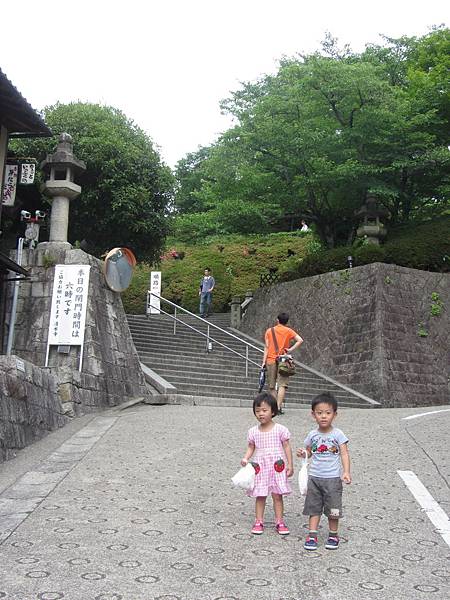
pixel 332 543
pixel 310 543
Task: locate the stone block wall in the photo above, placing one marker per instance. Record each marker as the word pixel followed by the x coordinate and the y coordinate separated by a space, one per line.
pixel 111 372
pixel 110 366
pixel 361 326
pixel 30 406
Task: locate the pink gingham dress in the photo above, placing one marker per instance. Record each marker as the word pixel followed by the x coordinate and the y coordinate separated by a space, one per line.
pixel 269 449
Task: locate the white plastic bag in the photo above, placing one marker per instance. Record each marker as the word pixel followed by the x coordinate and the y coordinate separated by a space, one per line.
pixel 245 477
pixel 303 476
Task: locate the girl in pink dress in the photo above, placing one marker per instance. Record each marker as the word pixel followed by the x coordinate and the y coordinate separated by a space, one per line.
pixel 271 456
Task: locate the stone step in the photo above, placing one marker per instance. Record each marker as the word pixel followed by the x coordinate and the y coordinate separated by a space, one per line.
pixel 183 361
pixel 163 320
pixel 248 394
pixel 185 334
pixel 238 356
pixel 174 369
pixel 195 346
pixel 181 332
pixel 158 337
pixel 242 402
pixel 189 399
pixel 199 366
pixel 303 381
pixel 209 360
pixel 216 370
pixel 156 341
pixel 182 329
pixel 182 315
pixel 251 384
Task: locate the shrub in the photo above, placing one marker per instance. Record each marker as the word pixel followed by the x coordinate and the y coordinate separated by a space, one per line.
pixel 370 253
pixel 422 252
pixel 322 262
pixel 236 261
pixel 424 246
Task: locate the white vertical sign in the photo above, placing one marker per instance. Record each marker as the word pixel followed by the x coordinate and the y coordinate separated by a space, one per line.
pixel 154 303
pixel 10 184
pixel 27 173
pixel 69 303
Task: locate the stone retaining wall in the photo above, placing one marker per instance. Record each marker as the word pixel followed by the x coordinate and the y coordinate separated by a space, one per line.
pixel 111 372
pixel 361 326
pixel 29 405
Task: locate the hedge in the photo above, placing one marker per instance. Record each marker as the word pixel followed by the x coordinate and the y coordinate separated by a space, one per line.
pixel 425 246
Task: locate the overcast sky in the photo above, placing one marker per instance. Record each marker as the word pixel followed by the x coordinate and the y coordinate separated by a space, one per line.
pixel 167 63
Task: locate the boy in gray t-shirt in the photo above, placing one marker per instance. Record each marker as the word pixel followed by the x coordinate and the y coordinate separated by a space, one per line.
pixel 328 447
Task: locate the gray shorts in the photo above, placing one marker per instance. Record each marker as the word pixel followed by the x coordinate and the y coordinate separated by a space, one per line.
pixel 324 496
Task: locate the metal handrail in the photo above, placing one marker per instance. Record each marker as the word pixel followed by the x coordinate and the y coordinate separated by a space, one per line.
pixel 207 335
pixel 331 380
pixel 247 345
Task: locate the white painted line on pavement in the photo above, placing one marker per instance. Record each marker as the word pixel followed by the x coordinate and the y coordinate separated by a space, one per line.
pixel 432 412
pixel 432 509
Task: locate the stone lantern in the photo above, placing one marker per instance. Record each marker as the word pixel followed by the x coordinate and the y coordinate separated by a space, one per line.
pixel 60 169
pixel 371 227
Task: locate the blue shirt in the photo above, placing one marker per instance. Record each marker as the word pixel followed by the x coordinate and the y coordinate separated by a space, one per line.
pixel 326 455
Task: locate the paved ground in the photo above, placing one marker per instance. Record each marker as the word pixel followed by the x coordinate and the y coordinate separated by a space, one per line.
pixel 137 505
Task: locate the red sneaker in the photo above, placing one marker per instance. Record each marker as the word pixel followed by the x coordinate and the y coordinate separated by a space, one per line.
pixel 281 528
pixel 258 528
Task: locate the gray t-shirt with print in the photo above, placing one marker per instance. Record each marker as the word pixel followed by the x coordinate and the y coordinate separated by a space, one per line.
pixel 207 283
pixel 326 456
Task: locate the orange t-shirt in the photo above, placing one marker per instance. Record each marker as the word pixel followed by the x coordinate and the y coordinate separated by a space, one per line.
pixel 284 336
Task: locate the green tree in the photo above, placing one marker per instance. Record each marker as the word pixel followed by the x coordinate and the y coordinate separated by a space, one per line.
pixel 418 182
pixel 214 188
pixel 420 66
pixel 191 177
pixel 126 190
pixel 328 129
pixel 317 127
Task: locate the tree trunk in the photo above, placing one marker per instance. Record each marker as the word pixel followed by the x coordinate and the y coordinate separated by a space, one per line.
pixel 326 232
pixel 351 236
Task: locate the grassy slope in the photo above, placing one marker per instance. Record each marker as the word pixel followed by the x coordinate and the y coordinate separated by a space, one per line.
pixel 236 262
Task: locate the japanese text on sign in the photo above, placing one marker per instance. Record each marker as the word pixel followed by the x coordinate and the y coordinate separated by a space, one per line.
pixel 69 303
pixel 9 185
pixel 27 173
pixel 154 303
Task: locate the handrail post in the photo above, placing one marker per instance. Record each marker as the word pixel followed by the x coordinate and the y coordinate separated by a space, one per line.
pixel 207 338
pixel 246 360
pixel 175 321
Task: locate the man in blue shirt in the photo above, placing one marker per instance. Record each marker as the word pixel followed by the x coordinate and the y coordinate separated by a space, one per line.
pixel 207 284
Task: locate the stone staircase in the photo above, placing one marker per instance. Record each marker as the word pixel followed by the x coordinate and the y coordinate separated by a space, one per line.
pixel 218 376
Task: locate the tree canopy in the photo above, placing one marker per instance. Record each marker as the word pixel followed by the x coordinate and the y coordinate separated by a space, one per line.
pixel 126 189
pixel 321 134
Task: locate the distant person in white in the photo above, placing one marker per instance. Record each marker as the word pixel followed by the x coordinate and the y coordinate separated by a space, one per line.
pixel 304 226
